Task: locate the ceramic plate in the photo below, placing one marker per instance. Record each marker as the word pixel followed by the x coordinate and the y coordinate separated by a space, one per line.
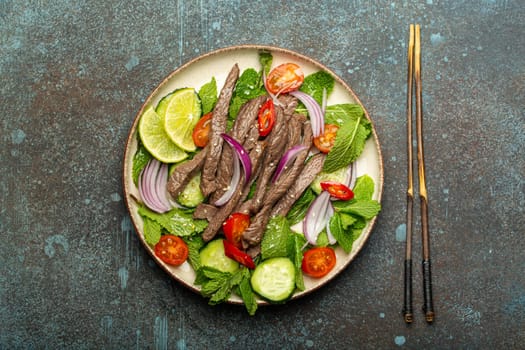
pixel 217 64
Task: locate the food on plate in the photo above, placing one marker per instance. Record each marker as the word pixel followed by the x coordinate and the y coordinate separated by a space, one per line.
pixel 262 183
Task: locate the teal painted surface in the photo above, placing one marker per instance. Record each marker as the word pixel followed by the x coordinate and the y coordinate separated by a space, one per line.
pixel 73 76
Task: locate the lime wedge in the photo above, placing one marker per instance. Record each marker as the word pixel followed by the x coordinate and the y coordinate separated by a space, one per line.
pixel 154 137
pixel 182 113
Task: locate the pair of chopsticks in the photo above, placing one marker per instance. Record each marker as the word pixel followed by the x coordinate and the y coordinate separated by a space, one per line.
pixel 414 82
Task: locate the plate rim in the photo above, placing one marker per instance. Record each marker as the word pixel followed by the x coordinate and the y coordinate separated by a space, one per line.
pixel 132 133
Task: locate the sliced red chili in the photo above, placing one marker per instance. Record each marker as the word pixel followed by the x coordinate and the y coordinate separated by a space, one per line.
pixel 337 190
pixel 232 252
pixel 266 117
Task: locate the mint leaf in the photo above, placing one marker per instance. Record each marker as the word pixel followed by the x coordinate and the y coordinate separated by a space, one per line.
pixel 152 231
pixel 364 208
pixel 344 238
pixel 176 221
pixel 208 95
pixel 248 86
pixel 194 246
pixel 300 207
pixel 314 84
pixel 348 146
pixel 299 242
pixel 140 159
pixel 341 113
pixel 248 296
pixel 265 58
pixel 276 239
pixel 364 187
pixel 347 220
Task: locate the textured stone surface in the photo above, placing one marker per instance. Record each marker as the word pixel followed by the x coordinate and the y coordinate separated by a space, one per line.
pixel 73 76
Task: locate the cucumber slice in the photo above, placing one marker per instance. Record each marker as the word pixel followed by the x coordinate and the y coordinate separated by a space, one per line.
pixel 336 176
pixel 212 255
pixel 274 279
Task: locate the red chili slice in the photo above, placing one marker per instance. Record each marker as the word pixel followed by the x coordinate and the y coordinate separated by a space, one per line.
pixel 232 252
pixel 337 190
pixel 266 117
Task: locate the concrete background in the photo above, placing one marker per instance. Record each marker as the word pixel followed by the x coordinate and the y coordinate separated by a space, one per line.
pixel 74 74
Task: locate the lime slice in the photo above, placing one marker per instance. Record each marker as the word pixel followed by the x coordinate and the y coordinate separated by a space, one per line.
pixel 182 113
pixel 154 137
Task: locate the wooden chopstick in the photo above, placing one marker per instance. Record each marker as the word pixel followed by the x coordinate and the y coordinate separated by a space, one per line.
pixel 407 307
pixel 414 78
pixel 428 306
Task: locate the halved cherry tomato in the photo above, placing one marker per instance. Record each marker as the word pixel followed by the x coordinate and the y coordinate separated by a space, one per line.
pixel 284 78
pixel 325 141
pixel 318 261
pixel 201 131
pixel 266 117
pixel 234 227
pixel 171 249
pixel 238 255
pixel 337 190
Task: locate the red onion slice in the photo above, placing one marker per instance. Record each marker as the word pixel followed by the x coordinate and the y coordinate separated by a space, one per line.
pixel 286 159
pixel 236 177
pixel 314 111
pixel 315 219
pixel 242 155
pixel 151 184
pixel 329 214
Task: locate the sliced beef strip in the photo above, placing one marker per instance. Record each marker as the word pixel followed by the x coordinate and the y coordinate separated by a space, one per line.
pixel 184 172
pixel 218 126
pixel 245 120
pixel 308 174
pixel 254 233
pixel 205 211
pixel 289 175
pixel 276 144
pixel 240 194
pixel 288 103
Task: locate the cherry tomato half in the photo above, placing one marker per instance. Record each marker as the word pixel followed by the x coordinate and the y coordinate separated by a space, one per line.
pixel 266 117
pixel 234 227
pixel 201 131
pixel 325 141
pixel 171 249
pixel 318 261
pixel 284 78
pixel 337 190
pixel 232 252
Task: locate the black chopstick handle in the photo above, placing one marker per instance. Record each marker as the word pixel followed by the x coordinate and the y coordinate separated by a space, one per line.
pixel 407 308
pixel 428 306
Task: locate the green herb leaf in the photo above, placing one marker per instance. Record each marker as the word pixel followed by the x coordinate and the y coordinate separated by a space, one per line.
pixel 341 113
pixel 348 145
pixel 208 95
pixel 248 86
pixel 300 207
pixel 276 239
pixel 195 244
pixel 364 208
pixel 344 239
pixel 140 159
pixel 298 243
pixel 176 221
pixel 248 296
pixel 152 231
pixel 314 84
pixel 265 58
pixel 364 187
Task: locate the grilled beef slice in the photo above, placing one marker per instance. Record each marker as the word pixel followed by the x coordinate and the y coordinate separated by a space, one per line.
pixel 308 174
pixel 246 119
pixel 240 194
pixel 184 172
pixel 254 233
pixel 277 140
pixel 218 126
